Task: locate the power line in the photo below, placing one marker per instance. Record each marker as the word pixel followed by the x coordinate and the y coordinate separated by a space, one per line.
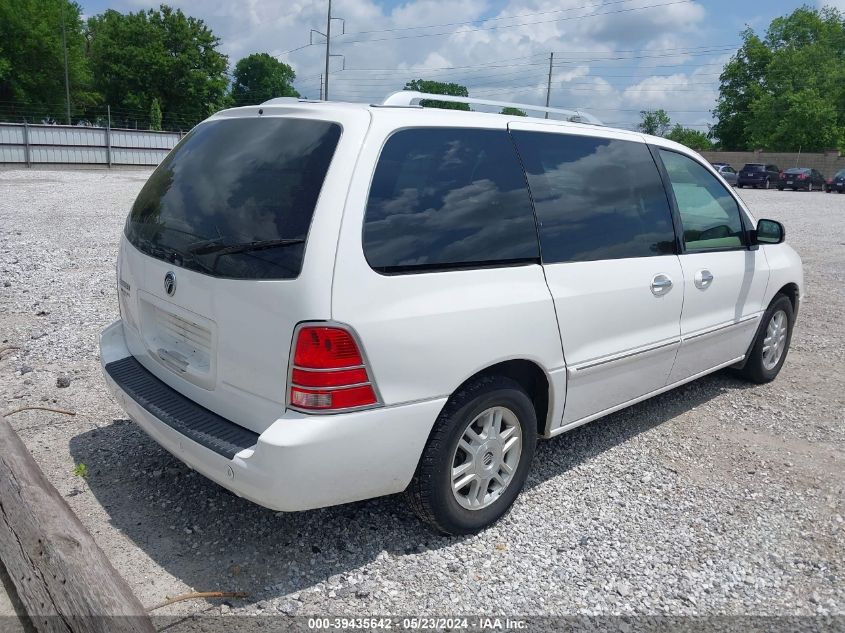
pixel 495 27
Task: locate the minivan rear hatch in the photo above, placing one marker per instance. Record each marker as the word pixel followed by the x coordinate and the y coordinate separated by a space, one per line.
pixel 228 246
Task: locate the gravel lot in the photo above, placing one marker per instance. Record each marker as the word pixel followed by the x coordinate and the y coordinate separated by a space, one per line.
pixel 717 498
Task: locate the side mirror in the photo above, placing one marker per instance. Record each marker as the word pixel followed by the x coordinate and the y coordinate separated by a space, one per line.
pixel 768 232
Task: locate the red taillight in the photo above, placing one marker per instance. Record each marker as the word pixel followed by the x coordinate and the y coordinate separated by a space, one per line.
pixel 328 372
pixel 802 176
pixel 782 176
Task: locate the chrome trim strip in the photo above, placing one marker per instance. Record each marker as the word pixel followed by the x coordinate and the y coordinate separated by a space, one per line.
pixel 719 328
pixel 571 425
pixel 331 388
pixel 329 369
pixel 622 356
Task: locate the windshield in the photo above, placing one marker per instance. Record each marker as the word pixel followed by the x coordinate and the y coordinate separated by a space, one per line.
pixel 235 197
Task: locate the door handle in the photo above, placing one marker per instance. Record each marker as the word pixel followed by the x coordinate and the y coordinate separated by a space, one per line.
pixel 703 279
pixel 661 284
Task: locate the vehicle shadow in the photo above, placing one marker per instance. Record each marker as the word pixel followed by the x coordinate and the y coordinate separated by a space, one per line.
pixel 212 540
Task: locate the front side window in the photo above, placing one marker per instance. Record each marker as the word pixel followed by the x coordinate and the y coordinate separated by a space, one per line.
pixel 235 197
pixel 709 214
pixel 444 198
pixel 595 198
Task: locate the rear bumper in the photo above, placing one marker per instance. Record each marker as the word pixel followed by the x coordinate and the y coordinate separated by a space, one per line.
pixel 301 461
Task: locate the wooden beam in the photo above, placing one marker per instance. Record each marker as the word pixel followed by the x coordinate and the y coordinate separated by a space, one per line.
pixel 62 577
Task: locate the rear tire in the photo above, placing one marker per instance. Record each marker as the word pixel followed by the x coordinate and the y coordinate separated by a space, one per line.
pixel 466 435
pixel 771 345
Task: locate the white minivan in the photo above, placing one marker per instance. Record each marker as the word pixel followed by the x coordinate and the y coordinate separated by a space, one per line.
pixel 325 302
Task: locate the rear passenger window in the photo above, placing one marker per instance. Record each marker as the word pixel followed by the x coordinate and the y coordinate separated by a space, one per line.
pixel 709 214
pixel 448 198
pixel 595 198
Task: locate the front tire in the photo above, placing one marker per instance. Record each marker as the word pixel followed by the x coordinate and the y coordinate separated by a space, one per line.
pixel 767 183
pixel 771 345
pixel 477 457
pixel 809 187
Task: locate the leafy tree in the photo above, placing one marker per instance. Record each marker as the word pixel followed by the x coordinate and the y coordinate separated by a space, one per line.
pixel 155 116
pixel 655 122
pixel 440 88
pixel 32 73
pixel 160 53
pixel 786 91
pixel 694 139
pixel 259 77
pixel 513 111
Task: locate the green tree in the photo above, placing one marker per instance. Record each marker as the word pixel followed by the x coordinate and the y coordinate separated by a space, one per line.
pixel 160 53
pixel 694 139
pixel 32 72
pixel 786 90
pixel 259 77
pixel 513 111
pixel 655 122
pixel 155 115
pixel 439 88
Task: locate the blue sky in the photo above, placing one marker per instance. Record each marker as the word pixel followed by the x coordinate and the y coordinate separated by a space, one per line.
pixel 613 57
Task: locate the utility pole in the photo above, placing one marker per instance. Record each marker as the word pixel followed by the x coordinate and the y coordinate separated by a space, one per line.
pixel 549 85
pixel 67 82
pixel 324 84
pixel 328 48
pixel 321 86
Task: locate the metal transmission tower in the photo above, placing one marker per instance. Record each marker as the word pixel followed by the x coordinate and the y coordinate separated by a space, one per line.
pixel 328 36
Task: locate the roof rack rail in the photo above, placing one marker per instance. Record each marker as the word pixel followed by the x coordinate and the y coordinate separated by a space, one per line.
pixel 412 97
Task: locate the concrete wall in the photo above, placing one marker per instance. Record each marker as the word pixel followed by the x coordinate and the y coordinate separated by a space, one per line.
pixel 828 163
pixel 23 144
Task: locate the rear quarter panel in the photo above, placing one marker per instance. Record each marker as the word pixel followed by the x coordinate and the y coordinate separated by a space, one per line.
pixel 426 333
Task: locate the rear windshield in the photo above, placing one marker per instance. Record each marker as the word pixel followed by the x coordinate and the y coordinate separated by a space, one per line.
pixel 840 174
pixel 235 197
pixel 798 170
pixel 751 167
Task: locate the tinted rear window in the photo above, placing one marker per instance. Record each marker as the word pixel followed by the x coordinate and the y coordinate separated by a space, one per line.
pixel 754 168
pixel 595 198
pixel 446 198
pixel 797 170
pixel 232 182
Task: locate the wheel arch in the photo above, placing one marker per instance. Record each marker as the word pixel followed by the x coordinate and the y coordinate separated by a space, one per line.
pixel 532 377
pixel 792 293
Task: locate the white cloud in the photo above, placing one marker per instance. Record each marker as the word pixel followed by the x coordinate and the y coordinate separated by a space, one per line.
pixel 506 63
pixel 836 4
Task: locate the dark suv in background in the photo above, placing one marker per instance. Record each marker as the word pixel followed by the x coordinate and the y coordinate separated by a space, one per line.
pixel 837 183
pixel 757 175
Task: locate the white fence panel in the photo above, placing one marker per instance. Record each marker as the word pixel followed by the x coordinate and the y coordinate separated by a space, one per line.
pixel 81 145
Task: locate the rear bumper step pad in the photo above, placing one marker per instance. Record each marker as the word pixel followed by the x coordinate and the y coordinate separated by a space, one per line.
pixel 178 412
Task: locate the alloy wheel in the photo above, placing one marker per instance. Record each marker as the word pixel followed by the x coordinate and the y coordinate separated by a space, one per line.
pixel 486 458
pixel 775 342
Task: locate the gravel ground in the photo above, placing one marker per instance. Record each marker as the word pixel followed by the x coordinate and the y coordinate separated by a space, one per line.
pixel 717 498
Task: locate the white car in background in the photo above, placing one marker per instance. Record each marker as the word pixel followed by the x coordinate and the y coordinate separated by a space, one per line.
pixel 324 302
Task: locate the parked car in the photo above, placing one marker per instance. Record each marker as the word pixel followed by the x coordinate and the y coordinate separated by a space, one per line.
pixel 727 172
pixel 757 175
pixel 327 302
pixel 801 178
pixel 837 183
